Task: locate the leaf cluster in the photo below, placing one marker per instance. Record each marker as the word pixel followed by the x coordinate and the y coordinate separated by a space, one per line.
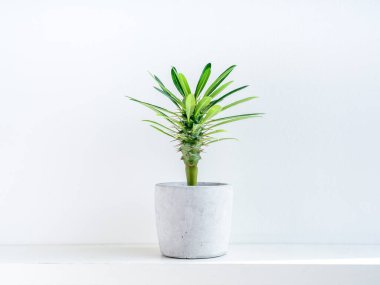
pixel 194 122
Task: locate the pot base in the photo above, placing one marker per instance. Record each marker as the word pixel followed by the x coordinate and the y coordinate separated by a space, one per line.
pixel 196 257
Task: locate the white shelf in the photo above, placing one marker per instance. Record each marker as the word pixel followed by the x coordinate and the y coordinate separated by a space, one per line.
pixel 149 254
pixel 245 264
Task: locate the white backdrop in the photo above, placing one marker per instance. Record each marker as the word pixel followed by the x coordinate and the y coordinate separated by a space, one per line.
pixel 77 165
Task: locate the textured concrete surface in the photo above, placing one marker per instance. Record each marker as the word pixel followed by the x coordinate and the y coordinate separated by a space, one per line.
pixel 193 221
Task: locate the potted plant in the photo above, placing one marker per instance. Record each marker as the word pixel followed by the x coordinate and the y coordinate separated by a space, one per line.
pixel 194 218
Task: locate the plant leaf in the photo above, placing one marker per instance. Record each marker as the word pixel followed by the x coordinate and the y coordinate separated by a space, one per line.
pixel 236 116
pixel 227 120
pixel 215 132
pixel 220 89
pixel 161 131
pixel 153 107
pixel 166 91
pixel 203 103
pixel 161 125
pixel 185 86
pixel 219 80
pixel 160 112
pixel 238 102
pixel 168 96
pixel 189 105
pixel 221 139
pixel 226 95
pixel 175 123
pixel 176 82
pixel 213 111
pixel 203 79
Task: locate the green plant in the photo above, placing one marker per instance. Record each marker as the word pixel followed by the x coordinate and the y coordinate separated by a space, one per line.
pixel 193 123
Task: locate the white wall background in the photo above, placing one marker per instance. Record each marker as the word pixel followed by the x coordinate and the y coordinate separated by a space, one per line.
pixel 77 165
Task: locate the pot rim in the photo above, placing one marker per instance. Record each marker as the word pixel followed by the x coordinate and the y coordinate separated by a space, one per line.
pixel 199 185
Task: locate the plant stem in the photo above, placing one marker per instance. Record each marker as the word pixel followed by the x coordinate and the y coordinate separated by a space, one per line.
pixel 191 174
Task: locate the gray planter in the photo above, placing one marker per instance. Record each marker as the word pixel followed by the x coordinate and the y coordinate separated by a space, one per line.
pixel 193 221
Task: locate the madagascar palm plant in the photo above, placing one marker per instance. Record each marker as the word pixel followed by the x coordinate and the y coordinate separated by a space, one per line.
pixel 193 122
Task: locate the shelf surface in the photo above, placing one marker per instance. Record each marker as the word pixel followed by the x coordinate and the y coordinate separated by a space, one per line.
pixel 246 264
pixel 150 254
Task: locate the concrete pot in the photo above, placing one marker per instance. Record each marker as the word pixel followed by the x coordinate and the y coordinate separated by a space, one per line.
pixel 193 221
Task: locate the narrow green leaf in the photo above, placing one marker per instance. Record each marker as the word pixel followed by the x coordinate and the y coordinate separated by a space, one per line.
pixel 238 102
pixel 168 96
pixel 183 81
pixel 175 123
pixel 161 131
pixel 215 132
pixel 203 79
pixel 221 139
pixel 236 116
pixel 219 80
pixel 189 105
pixel 213 111
pixel 176 82
pixel 166 91
pixel 203 103
pixel 220 89
pixel 223 121
pixel 160 112
pixel 160 125
pixel 152 107
pixel 226 95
